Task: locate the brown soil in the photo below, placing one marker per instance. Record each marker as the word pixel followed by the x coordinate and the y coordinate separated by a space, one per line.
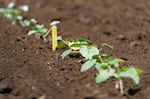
pixel 30 70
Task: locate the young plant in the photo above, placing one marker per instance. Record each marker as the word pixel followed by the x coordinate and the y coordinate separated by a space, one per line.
pixel 39 31
pixel 108 67
pixel 13 14
pixel 25 22
pixel 74 46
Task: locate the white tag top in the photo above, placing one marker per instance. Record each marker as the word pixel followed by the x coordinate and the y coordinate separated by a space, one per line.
pixel 54 22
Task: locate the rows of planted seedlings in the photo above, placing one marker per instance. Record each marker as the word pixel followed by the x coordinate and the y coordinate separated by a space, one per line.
pixel 15 15
pixel 107 66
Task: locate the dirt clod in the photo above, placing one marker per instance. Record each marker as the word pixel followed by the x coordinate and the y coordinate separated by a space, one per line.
pixel 5 88
pixel 121 37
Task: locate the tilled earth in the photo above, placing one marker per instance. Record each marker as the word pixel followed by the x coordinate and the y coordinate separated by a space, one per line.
pixel 30 70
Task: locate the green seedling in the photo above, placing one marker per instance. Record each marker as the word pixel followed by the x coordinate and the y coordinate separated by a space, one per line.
pixel 108 67
pixel 28 22
pixel 39 31
pixel 25 23
pixel 13 14
pixel 74 46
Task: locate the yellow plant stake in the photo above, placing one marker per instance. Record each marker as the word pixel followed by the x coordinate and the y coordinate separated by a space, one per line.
pixel 54 34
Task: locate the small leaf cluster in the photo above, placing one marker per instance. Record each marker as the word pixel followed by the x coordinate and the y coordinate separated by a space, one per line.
pixel 107 66
pixel 39 31
pixel 14 15
pixel 74 46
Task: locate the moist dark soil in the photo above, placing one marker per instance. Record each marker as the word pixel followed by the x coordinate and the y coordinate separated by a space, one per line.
pixel 30 70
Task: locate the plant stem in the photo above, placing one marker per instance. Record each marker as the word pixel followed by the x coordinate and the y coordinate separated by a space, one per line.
pixel 121 86
pixel 47 33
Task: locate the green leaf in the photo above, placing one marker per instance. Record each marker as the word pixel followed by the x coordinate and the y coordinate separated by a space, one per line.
pixel 43 31
pixel 88 51
pixel 104 65
pixel 131 73
pixel 38 26
pixel 2 10
pixel 104 75
pixel 107 45
pixel 24 8
pixel 98 66
pixel 9 16
pixel 139 71
pixel 11 5
pixel 125 68
pixel 59 38
pixel 112 61
pixel 87 65
pixel 66 53
pixel 61 44
pixel 38 30
pixel 98 58
pixel 12 11
pixel 83 41
pixel 31 32
pixel 75 46
pixel 103 55
pixel 33 20
pixel 120 60
pixel 25 23
pixel 19 17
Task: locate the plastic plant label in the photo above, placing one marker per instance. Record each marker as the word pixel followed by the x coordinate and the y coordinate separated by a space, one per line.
pixel 54 37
